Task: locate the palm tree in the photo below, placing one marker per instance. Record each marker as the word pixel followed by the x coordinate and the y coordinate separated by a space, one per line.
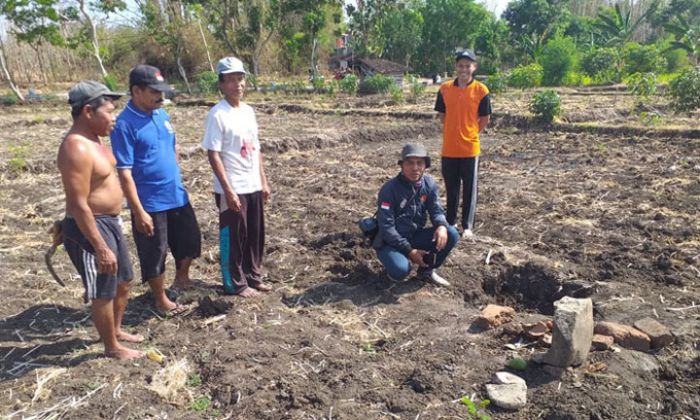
pixel 617 27
pixel 687 37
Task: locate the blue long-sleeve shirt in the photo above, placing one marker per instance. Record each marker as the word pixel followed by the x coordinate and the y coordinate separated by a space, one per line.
pixel 404 208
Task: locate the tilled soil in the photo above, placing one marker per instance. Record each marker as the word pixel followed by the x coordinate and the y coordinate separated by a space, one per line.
pixel 607 216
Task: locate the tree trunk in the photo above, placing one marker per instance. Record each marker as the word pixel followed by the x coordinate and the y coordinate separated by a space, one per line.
pixel 206 46
pixel 93 36
pixel 6 72
pixel 183 73
pixel 42 70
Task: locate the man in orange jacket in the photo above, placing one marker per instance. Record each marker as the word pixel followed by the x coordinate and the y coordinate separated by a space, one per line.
pixel 464 108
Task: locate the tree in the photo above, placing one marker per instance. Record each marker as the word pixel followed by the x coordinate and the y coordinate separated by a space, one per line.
pixel 90 27
pixel 444 31
pixel 36 22
pixel 402 32
pixel 617 26
pixel 536 20
pixel 686 37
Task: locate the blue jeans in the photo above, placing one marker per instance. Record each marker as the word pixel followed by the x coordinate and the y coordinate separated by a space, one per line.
pixel 397 264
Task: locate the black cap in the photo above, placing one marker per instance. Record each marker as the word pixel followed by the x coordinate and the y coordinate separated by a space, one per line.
pixel 469 54
pixel 86 91
pixel 145 75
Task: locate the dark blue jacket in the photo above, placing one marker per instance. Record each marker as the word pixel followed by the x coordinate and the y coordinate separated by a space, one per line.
pixel 404 208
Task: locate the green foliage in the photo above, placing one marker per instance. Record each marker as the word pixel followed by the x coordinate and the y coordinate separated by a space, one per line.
pixel 535 19
pixel 18 160
pixel 415 86
pixel 377 83
pixel 207 82
pixel 497 82
pixel 194 380
pixel 475 411
pixel 111 82
pixel 396 94
pixel 200 404
pixel 558 58
pixel 546 105
pixel 574 78
pixel 617 27
pixel 648 118
pixel 8 100
pixel 642 59
pixel 349 84
pixel 319 83
pixel 525 76
pixel 642 84
pixel 676 59
pixel 602 64
pixel 684 90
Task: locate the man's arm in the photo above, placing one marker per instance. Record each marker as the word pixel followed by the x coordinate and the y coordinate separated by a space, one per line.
pixel 217 165
pixel 263 177
pixel 440 107
pixel 142 219
pixel 483 122
pixel 76 166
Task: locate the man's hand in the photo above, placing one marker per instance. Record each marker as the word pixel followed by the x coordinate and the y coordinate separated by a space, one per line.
pixel 232 201
pixel 416 257
pixel 106 261
pixel 144 223
pixel 266 192
pixel 440 238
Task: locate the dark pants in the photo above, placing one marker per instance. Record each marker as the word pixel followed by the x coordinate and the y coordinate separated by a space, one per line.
pixel 397 264
pixel 455 172
pixel 242 242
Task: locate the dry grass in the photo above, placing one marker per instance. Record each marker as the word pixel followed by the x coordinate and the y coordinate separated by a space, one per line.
pixel 169 381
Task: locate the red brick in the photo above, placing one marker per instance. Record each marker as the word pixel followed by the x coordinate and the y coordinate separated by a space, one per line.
pixel 624 335
pixel 494 315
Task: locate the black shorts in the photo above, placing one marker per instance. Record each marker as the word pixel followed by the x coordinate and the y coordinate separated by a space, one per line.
pixel 82 254
pixel 174 228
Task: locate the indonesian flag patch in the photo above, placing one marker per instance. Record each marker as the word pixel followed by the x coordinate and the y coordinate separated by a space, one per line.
pixel 386 205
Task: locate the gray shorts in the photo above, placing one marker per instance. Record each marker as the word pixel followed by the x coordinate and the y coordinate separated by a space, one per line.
pixel 82 254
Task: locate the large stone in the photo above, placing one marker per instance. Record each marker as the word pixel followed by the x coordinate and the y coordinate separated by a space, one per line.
pixel 572 333
pixel 508 396
pixel 501 378
pixel 494 315
pixel 624 335
pixel 659 335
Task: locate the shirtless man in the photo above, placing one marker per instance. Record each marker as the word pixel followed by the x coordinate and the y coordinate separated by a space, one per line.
pixel 92 233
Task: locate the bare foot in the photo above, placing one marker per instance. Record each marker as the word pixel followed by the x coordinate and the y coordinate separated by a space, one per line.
pixel 129 338
pixel 166 305
pixel 249 292
pixel 124 353
pixel 263 287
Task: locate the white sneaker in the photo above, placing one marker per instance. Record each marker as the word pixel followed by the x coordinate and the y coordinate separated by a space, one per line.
pixel 467 234
pixel 437 279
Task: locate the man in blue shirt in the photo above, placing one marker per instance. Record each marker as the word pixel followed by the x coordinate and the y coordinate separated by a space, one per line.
pixel 146 151
pixel 405 202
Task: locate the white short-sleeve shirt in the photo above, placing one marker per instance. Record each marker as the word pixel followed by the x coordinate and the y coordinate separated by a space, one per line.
pixel 233 132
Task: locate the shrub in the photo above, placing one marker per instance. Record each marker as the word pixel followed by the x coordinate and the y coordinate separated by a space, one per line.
pixel 602 64
pixel 497 82
pixel 574 78
pixel 9 100
pixel 377 83
pixel 642 59
pixel 318 82
pixel 415 86
pixel 396 94
pixel 207 82
pixel 684 91
pixel 642 84
pixel 349 84
pixel 545 105
pixel 676 60
pixel 525 76
pixel 558 57
pixel 111 83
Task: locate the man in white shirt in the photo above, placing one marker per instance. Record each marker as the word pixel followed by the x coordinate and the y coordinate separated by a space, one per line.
pixel 240 184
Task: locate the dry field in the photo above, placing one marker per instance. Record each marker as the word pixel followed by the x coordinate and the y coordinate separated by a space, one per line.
pixel 598 205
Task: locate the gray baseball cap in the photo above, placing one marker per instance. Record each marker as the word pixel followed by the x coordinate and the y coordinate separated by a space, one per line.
pixel 468 54
pixel 86 91
pixel 415 150
pixel 229 65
